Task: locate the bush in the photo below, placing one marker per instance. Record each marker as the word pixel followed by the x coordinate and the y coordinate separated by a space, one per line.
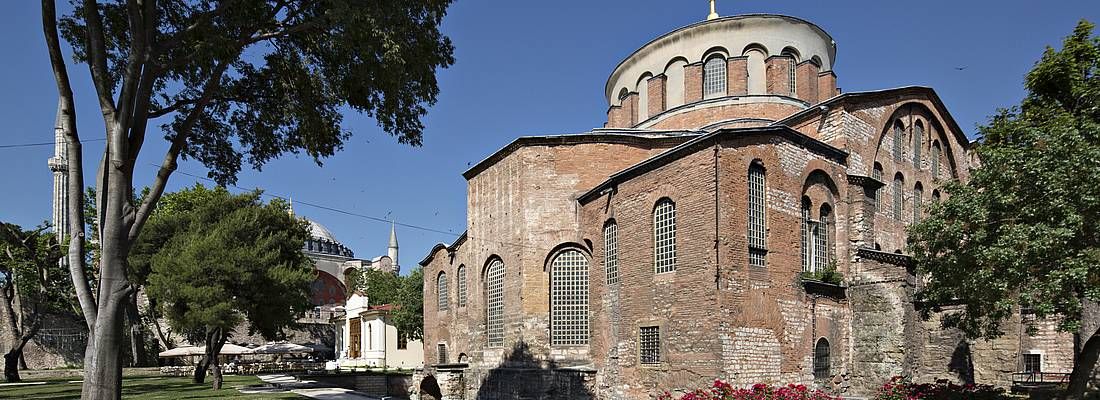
pixel 724 391
pixel 899 388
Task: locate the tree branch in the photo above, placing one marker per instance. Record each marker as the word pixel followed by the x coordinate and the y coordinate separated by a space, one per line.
pixel 97 60
pixel 75 207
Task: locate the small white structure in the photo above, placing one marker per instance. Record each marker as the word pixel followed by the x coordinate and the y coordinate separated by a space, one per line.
pixel 365 338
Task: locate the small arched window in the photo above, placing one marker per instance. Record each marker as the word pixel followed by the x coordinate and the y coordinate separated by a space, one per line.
pixel 898 196
pixel 442 291
pixel 899 141
pixel 758 245
pixel 623 94
pixel 821 359
pixel 935 196
pixel 569 299
pixel 876 173
pixel 807 236
pixel 792 70
pixel 918 141
pixel 611 252
pixel 494 303
pixel 714 77
pixel 664 236
pixel 936 159
pixel 462 286
pixel 918 197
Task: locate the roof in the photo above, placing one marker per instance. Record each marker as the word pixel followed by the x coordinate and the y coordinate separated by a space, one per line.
pixel 783 131
pixel 853 97
pixel 615 136
pixel 440 246
pixel 320 232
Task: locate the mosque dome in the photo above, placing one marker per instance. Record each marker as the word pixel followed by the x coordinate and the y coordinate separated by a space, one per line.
pixel 322 241
pixel 319 231
pixel 745 69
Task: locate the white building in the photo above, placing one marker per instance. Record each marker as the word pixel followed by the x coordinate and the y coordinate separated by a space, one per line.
pixel 365 338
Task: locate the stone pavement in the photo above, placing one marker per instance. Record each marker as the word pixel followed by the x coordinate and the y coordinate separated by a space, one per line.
pixel 313 390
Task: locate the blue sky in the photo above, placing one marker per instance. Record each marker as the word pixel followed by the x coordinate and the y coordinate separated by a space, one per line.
pixel 529 68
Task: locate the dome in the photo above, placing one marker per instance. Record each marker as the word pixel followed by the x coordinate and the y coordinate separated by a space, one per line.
pixel 319 231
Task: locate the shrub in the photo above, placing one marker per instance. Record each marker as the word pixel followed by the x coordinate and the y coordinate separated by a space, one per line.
pixel 900 388
pixel 721 390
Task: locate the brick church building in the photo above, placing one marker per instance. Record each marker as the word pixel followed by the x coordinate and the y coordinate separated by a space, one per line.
pixel 688 238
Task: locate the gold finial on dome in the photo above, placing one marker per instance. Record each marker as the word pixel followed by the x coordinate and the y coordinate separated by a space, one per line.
pixel 713 13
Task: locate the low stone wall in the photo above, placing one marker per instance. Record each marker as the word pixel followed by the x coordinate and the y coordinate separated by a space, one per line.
pixel 372 383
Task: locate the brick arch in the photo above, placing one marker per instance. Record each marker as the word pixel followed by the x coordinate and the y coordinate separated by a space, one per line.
pixel 561 248
pixel 711 52
pixel 909 112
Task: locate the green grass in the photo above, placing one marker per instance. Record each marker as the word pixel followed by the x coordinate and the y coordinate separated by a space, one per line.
pixel 148 388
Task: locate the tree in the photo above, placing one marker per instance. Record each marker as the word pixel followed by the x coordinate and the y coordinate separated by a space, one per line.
pixel 32 285
pixel 229 259
pixel 229 80
pixel 1022 230
pixel 405 293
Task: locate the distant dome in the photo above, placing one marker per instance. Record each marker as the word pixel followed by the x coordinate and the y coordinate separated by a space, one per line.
pixel 319 231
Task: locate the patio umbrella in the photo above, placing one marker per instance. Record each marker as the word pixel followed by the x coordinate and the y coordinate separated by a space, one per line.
pixel 281 348
pixel 183 351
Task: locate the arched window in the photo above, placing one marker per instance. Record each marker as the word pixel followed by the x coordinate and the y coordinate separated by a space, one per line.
pixel 935 196
pixel 714 77
pixel 569 299
pixel 792 70
pixel 757 81
pixel 918 197
pixel 441 291
pixel 898 181
pixel 821 359
pixel 494 303
pixel 664 236
pixel 611 252
pixel 821 240
pixel 936 159
pixel 462 286
pixel 876 173
pixel 918 141
pixel 623 94
pixel 758 246
pixel 807 236
pixel 899 140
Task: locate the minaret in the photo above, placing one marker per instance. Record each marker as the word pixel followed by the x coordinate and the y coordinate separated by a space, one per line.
pixel 392 250
pixel 59 164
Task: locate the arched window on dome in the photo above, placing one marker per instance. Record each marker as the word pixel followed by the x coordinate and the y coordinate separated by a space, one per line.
pixel 714 77
pixel 918 141
pixel 757 81
pixel 569 299
pixel 792 73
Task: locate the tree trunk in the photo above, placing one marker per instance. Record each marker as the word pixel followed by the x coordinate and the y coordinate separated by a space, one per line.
pixel 103 357
pixel 137 335
pixel 1084 363
pixel 11 365
pixel 200 370
pixel 215 339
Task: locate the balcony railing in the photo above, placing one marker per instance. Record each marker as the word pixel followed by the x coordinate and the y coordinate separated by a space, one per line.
pixel 1039 378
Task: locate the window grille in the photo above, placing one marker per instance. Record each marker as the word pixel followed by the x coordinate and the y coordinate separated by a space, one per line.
pixel 494 278
pixel 821 359
pixel 807 232
pixel 402 341
pixel 441 286
pixel 442 353
pixel 821 241
pixel 877 174
pixel 756 208
pixel 714 77
pixel 792 76
pixel 1033 363
pixel 758 258
pixel 611 252
pixel 569 299
pixel 664 236
pixel 918 139
pixel 649 344
pixel 918 197
pixel 899 141
pixel 935 160
pixel 462 286
pixel 897 198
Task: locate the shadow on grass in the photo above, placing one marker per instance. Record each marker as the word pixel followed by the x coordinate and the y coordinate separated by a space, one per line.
pixel 148 388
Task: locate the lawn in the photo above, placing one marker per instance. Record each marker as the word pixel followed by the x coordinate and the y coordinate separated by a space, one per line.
pixel 148 388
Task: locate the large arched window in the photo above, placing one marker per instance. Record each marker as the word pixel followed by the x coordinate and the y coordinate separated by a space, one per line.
pixel 936 159
pixel 918 141
pixel 664 236
pixel 461 286
pixel 494 303
pixel 822 244
pixel 918 197
pixel 758 246
pixel 714 77
pixel 898 196
pixel 821 359
pixel 441 291
pixel 876 173
pixel 611 252
pixel 807 236
pixel 569 299
pixel 899 141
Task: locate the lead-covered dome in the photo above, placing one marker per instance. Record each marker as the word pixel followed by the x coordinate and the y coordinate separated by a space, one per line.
pixel 746 69
pixel 322 241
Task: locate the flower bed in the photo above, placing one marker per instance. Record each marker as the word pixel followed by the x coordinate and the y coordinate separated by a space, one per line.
pixel 721 390
pixel 899 388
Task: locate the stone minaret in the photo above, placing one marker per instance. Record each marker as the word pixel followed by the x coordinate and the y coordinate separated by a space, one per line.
pixel 392 250
pixel 59 164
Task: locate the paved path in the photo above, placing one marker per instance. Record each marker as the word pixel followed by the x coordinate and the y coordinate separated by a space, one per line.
pixel 310 389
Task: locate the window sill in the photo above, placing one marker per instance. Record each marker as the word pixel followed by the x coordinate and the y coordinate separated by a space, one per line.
pixel 827 289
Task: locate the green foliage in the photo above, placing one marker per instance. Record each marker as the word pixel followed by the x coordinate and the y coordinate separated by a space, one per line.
pixel 29 268
pixel 405 293
pixel 213 259
pixel 1023 229
pixel 827 275
pixel 286 70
